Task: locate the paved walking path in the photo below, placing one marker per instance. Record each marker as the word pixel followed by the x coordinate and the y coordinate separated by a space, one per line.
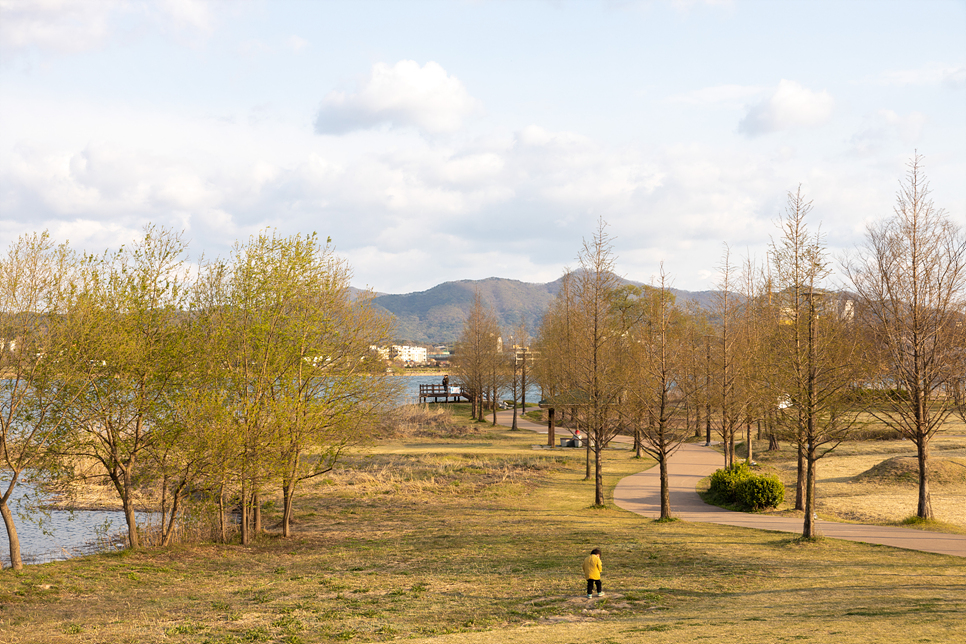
pixel 641 493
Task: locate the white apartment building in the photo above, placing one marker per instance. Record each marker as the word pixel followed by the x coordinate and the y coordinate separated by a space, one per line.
pixel 403 353
pixel 408 354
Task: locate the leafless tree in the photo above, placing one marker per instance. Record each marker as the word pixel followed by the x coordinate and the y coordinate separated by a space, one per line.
pixel 476 353
pixel 910 278
pixel 597 341
pixel 815 357
pixel 656 355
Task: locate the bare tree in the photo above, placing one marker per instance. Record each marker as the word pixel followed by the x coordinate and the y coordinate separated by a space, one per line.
pixel 657 355
pixel 476 353
pixel 815 355
pixel 733 394
pixel 555 343
pixel 597 340
pixel 910 278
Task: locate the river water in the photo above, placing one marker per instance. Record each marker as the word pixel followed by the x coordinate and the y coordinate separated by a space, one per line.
pixel 59 534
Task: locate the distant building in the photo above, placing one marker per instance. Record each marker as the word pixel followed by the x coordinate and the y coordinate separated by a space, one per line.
pixel 406 353
pixel 403 353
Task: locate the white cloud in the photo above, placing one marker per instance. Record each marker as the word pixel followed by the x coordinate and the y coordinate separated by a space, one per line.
pixel 931 74
pixel 728 95
pixel 296 44
pixel 194 14
pixel 64 26
pixel 790 106
pixel 72 26
pixel 402 95
pixel 884 126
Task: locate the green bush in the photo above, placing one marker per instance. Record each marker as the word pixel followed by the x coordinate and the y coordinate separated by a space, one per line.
pixel 759 492
pixel 724 482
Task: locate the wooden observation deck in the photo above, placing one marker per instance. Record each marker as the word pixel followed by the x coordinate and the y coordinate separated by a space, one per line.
pixel 439 393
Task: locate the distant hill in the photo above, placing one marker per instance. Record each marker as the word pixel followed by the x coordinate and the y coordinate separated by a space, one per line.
pixel 436 315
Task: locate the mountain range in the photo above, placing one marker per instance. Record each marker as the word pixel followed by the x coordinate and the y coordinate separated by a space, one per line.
pixel 436 316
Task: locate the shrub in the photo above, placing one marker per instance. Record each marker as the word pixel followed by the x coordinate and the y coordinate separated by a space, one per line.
pixel 759 492
pixel 725 481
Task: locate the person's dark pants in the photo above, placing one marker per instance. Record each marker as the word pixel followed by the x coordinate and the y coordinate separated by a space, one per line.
pixel 590 586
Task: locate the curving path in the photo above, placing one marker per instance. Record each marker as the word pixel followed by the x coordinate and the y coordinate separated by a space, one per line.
pixel 640 493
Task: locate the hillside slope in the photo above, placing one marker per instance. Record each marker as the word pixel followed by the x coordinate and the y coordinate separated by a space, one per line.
pixel 436 315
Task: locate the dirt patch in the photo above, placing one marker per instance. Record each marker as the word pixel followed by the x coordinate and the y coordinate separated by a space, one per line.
pixel 905 470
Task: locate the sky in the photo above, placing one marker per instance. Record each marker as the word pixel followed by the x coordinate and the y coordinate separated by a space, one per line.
pixel 438 141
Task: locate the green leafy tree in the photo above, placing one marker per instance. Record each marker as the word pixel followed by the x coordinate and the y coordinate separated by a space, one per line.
pixel 35 276
pixel 126 320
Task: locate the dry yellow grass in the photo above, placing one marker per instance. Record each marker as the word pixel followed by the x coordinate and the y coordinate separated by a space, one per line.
pixel 843 494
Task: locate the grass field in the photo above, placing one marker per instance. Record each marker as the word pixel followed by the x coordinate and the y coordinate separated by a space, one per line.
pixel 479 538
pixel 876 481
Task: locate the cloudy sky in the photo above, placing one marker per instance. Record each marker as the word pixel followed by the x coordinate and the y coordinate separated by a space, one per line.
pixel 437 141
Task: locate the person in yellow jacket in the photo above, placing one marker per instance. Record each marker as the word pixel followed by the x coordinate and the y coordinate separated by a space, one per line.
pixel 592 569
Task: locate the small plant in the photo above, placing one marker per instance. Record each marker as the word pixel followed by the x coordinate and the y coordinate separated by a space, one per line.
pixel 182 629
pixel 758 492
pixel 73 629
pixel 724 482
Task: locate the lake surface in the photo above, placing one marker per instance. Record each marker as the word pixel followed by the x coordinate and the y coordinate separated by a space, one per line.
pixel 410 388
pixel 61 534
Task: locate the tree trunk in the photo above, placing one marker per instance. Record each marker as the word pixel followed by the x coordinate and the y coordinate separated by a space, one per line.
pixel 123 485
pixel 514 426
pixel 924 510
pixel 246 532
pixel 551 429
pixel 15 561
pixel 773 442
pixel 810 529
pixel 598 473
pixel 800 482
pixel 167 531
pixel 665 489
pixel 288 494
pixel 750 446
pixel 222 520
pixel 257 512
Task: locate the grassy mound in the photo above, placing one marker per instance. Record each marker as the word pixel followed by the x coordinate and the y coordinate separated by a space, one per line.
pixel 905 470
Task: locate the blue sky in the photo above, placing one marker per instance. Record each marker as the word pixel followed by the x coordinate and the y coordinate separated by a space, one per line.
pixel 437 141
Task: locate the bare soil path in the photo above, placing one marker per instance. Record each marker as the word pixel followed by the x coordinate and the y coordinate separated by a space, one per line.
pixel 640 494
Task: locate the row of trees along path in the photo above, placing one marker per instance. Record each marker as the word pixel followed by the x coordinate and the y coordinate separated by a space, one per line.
pixel 782 350
pixel 643 494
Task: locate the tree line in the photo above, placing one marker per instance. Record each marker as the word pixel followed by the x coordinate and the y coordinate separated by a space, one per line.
pixel 190 389
pixel 784 353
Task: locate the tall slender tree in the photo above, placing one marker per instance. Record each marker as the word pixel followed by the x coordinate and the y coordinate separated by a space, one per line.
pixel 910 278
pixel 656 349
pixel 816 356
pixel 476 353
pixel 596 342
